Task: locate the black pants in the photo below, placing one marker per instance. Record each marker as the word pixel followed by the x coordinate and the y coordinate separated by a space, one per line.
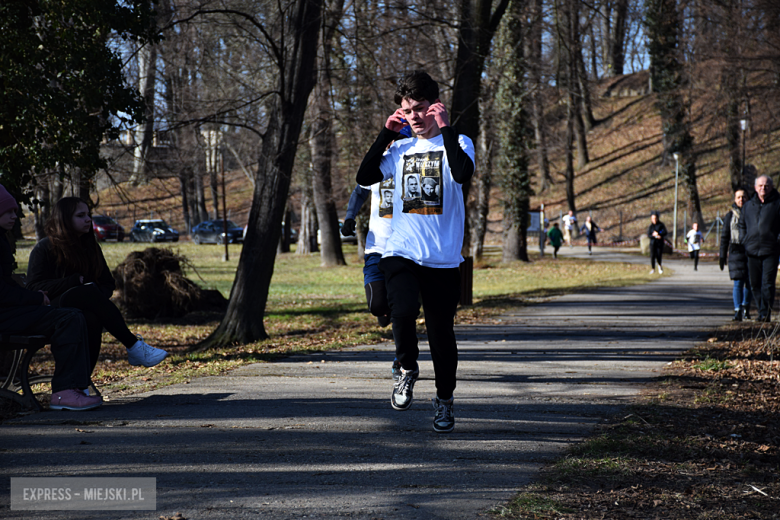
pixel 695 257
pixel 656 252
pixel 376 297
pixel 763 275
pixel 99 313
pixel 406 282
pixel 68 333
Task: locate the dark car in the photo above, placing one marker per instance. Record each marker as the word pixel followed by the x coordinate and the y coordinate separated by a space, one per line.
pixel 212 232
pixel 153 230
pixel 107 228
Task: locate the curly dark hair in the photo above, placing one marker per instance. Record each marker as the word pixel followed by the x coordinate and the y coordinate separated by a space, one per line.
pixel 417 85
pixel 80 254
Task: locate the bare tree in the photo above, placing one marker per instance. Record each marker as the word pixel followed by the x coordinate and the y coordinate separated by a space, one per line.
pixel 323 141
pixel 294 51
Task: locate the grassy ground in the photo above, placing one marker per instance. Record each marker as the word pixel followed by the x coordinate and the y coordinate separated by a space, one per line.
pixel 704 444
pixel 312 308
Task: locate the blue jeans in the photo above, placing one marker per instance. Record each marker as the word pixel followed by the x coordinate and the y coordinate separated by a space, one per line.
pixel 742 294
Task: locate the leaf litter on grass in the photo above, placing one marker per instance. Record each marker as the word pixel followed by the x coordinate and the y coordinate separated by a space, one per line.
pixel 710 449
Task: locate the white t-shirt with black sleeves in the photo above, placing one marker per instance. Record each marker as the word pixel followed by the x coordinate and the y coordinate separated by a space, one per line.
pixel 428 210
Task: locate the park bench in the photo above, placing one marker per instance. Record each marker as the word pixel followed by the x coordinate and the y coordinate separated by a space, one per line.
pixel 17 376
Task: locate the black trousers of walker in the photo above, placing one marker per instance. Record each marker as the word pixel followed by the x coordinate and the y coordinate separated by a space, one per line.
pixel 406 282
pixel 763 275
pixel 656 252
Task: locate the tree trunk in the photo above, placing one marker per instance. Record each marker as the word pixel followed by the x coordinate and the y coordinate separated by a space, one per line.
pixel 484 183
pixel 475 34
pixel 618 50
pixel 307 237
pixel 147 70
pixel 569 173
pixel 514 133
pixel 243 321
pixel 535 75
pixel 214 186
pixel 322 143
pixel 185 201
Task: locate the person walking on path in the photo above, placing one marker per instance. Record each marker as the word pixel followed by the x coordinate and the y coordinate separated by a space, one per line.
pixel 694 238
pixel 23 311
pixel 733 252
pixel 379 229
pixel 422 255
pixel 590 228
pixel 556 238
pixel 70 266
pixel 657 233
pixel 759 229
pixel 569 227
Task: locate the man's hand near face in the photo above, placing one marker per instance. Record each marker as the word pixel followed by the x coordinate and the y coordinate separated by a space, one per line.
pixel 439 113
pixel 397 121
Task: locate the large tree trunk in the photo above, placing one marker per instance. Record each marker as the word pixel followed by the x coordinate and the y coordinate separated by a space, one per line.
pixel 322 144
pixel 243 321
pixel 475 34
pixel 514 133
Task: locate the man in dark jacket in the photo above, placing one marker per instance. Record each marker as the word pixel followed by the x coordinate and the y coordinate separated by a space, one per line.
pixel 759 232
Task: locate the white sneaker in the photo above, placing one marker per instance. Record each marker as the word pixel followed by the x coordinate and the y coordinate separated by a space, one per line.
pixel 660 270
pixel 143 354
pixel 652 271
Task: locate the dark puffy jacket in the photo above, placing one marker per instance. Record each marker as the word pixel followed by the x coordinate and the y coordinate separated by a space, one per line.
pixel 735 253
pixel 759 227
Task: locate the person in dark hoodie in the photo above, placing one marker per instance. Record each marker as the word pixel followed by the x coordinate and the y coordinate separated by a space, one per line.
pixel 733 252
pixel 656 232
pixel 29 312
pixel 759 232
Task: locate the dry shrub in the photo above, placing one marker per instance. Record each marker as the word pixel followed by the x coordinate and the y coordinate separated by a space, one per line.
pixel 151 284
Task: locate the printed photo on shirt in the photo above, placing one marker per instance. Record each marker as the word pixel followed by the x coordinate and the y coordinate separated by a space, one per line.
pixel 422 183
pixel 386 192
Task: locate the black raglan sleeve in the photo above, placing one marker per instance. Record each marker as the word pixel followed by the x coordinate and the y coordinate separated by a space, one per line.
pixel 369 172
pixel 461 165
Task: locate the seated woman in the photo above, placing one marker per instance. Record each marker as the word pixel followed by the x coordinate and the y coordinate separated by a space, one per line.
pixel 69 265
pixel 28 312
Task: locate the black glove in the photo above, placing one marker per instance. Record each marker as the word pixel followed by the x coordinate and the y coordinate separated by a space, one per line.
pixel 348 228
pixel 721 263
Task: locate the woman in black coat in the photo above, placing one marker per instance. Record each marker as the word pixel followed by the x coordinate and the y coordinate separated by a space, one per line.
pixel 733 252
pixel 657 234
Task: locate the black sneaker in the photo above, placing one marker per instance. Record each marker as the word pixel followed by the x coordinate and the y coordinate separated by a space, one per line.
pixel 444 420
pixel 396 370
pixel 403 390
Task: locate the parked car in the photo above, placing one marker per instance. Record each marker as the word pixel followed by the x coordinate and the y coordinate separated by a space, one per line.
pixel 153 230
pixel 344 239
pixel 107 228
pixel 293 233
pixel 212 231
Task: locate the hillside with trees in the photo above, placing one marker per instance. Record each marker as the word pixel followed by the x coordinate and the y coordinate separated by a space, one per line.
pixel 571 104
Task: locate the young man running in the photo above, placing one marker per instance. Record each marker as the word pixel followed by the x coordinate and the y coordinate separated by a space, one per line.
pixel 422 254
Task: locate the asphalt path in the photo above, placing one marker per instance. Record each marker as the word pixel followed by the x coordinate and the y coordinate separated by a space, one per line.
pixel 315 437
